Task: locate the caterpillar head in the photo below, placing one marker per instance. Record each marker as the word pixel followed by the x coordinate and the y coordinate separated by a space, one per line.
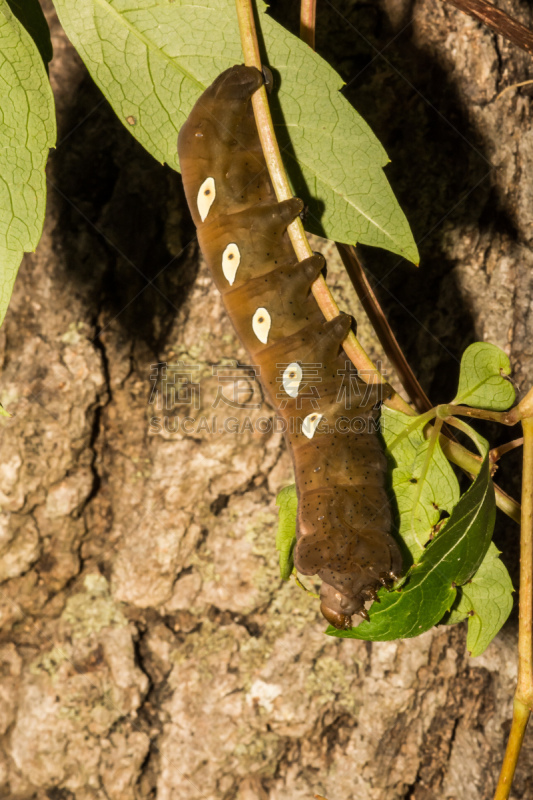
pixel 337 608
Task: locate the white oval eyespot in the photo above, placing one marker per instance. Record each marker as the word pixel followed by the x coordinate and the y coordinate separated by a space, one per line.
pixel 231 258
pixel 292 378
pixel 261 324
pixel 310 423
pixel 206 196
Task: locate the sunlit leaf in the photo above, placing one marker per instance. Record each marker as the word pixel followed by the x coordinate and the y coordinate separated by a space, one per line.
pixel 27 132
pixel 286 533
pixel 486 600
pixel 30 14
pixel 152 60
pixel 423 491
pixel 481 384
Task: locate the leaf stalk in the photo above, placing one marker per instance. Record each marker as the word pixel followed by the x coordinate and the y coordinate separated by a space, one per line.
pixel 498 21
pixel 387 339
pixel 503 417
pixel 497 452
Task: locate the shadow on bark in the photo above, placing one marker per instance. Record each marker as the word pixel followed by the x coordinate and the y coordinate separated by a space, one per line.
pixel 121 223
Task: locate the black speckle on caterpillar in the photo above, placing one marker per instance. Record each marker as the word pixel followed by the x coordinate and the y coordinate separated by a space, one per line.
pixel 344 521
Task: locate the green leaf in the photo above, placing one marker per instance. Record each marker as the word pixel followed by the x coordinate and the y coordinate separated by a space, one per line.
pixel 457 612
pixel 30 14
pixel 481 384
pixel 486 601
pixel 27 132
pixel 152 60
pixel 423 490
pixel 430 589
pixel 287 501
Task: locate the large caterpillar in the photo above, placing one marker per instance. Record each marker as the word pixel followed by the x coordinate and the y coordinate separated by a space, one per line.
pixel 343 514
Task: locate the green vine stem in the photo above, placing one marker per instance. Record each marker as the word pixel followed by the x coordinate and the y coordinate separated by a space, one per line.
pixel 524 409
pixel 511 417
pixel 307 22
pixel 459 455
pixel 523 699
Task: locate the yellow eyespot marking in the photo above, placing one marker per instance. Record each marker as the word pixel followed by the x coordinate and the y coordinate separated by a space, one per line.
pixel 231 258
pixel 310 423
pixel 206 197
pixel 261 324
pixel 292 378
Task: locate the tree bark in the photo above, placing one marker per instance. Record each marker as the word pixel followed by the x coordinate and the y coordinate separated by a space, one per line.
pixel 148 645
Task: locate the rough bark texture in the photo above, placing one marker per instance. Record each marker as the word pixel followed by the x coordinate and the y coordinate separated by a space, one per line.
pixel 148 646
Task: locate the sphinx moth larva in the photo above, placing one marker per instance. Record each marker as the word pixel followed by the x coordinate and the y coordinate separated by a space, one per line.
pixel 344 518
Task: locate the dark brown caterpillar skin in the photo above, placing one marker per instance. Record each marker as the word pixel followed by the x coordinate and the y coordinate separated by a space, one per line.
pixel 343 514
